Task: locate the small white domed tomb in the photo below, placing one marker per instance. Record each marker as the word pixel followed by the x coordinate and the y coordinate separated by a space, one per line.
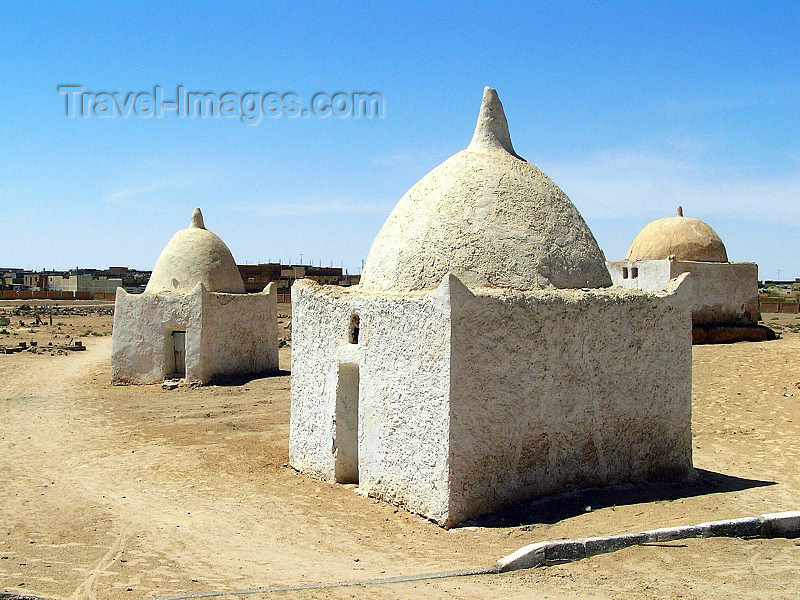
pixel 724 296
pixel 485 357
pixel 194 320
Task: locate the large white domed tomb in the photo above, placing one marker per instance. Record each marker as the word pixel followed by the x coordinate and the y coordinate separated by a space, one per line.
pixel 484 359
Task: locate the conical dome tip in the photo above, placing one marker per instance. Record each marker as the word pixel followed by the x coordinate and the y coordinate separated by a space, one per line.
pixel 197 219
pixel 491 130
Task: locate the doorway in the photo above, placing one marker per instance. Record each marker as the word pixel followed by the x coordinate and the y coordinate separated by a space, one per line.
pixel 345 440
pixel 179 352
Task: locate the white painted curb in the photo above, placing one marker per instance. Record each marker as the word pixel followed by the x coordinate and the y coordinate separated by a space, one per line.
pixel 785 524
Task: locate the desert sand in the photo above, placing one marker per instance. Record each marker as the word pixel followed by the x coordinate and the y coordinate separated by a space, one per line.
pixel 135 492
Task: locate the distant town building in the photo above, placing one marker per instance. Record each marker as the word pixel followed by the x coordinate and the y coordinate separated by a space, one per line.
pixel 76 281
pixel 35 281
pixel 255 277
pixel 83 283
pixel 13 279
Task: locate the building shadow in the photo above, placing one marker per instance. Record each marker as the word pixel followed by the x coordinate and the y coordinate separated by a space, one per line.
pixel 555 508
pixel 244 379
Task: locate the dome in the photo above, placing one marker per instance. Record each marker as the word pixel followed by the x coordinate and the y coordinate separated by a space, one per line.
pixel 490 218
pixel 195 255
pixel 679 236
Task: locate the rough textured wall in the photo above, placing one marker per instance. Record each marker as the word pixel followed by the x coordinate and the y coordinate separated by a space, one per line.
pixel 240 333
pixel 405 380
pixel 403 358
pixel 557 390
pixel 514 395
pixel 723 293
pixel 319 326
pixel 141 336
pixel 226 334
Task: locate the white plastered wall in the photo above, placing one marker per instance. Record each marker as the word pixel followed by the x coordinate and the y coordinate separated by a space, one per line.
pixel 722 293
pixel 653 275
pixel 226 334
pixel 556 390
pixel 141 344
pixel 403 360
pixel 240 332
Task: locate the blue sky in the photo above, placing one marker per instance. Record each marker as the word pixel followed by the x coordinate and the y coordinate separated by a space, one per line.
pixel 631 110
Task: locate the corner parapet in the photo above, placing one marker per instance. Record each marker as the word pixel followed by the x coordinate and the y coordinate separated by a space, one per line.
pixel 453 291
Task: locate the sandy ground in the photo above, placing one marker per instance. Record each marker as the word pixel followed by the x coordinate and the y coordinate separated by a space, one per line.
pixel 135 492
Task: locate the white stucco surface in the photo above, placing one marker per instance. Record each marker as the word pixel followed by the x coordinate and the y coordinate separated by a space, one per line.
pixel 226 334
pixel 240 332
pixel 556 390
pixel 141 344
pixel 195 255
pixel 470 400
pixel 489 217
pixel 403 361
pixel 722 293
pixel 652 276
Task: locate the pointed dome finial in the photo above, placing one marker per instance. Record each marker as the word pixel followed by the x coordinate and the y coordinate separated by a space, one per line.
pixel 197 219
pixel 680 211
pixel 491 131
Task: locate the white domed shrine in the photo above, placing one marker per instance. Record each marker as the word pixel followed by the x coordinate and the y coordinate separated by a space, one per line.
pixel 194 321
pixel 483 359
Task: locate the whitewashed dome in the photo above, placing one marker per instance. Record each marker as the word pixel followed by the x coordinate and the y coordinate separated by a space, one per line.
pixel 490 218
pixel 192 256
pixel 679 236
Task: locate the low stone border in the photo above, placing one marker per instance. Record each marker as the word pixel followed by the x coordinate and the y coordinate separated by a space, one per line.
pixel 786 524
pixel 541 554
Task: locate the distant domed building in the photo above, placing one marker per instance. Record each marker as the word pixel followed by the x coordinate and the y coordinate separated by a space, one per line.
pixel 681 237
pixel 194 321
pixel 724 294
pixel 484 358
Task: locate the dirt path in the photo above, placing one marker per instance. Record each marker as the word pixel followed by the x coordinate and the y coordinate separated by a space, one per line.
pixel 133 492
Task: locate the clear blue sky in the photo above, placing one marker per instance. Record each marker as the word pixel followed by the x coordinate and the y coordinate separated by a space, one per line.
pixel 631 110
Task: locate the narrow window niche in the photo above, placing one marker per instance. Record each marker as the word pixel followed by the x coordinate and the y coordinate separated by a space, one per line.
pixel 355 326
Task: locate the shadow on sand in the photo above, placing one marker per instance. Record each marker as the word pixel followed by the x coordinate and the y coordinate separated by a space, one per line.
pixel 555 508
pixel 237 380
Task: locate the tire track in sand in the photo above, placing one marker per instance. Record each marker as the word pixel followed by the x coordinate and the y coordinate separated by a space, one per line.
pixel 87 588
